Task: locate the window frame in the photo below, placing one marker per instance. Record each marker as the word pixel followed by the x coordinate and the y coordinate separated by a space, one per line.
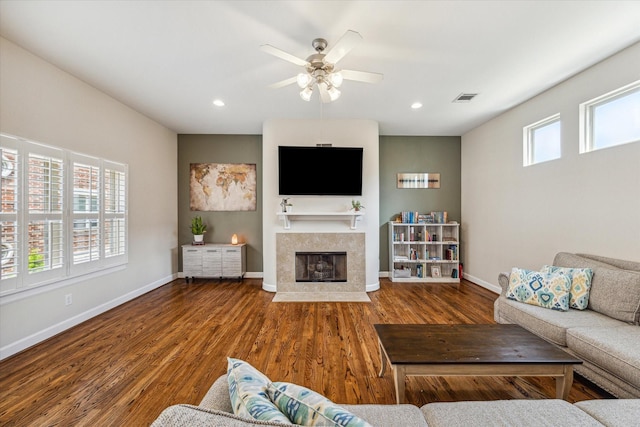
pixel 587 121
pixel 25 279
pixel 528 140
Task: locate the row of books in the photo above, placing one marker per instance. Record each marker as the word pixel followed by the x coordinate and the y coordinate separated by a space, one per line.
pixel 409 217
pixel 451 253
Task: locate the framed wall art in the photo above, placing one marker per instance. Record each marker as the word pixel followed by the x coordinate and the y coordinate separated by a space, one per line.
pixel 418 180
pixel 222 187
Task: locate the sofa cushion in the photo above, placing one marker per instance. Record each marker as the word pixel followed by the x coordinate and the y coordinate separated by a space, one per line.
pixel 616 349
pixel 566 259
pixel 388 415
pixel 613 412
pixel 616 293
pixel 618 263
pixel 306 407
pixel 541 289
pixel 580 284
pixel 521 413
pixel 248 393
pixel 549 324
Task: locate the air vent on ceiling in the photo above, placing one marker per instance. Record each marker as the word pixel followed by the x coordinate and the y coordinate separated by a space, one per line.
pixel 465 97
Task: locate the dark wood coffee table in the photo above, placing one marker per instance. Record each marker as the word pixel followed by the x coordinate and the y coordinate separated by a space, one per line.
pixel 471 350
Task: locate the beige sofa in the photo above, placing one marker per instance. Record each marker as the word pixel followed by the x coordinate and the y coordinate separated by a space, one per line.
pixel 605 336
pixel 215 410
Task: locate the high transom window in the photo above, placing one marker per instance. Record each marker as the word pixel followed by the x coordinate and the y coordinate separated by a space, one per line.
pixel 611 119
pixel 542 141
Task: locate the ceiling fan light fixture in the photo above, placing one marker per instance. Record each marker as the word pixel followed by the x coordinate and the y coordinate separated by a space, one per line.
pixel 333 93
pixel 303 80
pixel 305 93
pixel 336 79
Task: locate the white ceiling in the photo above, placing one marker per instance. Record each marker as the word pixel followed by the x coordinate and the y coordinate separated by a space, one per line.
pixel 171 59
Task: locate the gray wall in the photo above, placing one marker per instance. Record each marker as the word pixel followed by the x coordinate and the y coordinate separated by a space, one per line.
pixel 433 154
pixel 221 225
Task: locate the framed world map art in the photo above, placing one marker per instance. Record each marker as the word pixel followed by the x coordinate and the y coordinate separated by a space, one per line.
pixel 222 187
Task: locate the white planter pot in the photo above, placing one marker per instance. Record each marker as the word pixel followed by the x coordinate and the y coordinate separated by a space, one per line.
pixel 198 238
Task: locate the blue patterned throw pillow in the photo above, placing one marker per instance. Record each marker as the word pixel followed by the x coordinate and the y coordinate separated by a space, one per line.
pixel 548 290
pixel 308 408
pixel 580 284
pixel 248 393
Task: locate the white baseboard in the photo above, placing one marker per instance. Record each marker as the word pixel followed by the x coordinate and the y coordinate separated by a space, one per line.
pixel 269 288
pixel 493 288
pixel 33 339
pixel 254 275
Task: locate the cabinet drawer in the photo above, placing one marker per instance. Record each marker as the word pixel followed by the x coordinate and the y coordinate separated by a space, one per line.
pixel 192 271
pixel 232 271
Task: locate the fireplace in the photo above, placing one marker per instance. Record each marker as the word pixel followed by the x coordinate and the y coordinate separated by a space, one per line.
pixel 342 252
pixel 321 266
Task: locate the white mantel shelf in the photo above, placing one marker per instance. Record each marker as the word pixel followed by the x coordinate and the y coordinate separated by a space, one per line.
pixel 352 216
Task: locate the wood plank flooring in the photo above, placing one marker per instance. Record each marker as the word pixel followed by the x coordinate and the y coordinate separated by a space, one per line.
pixel 168 346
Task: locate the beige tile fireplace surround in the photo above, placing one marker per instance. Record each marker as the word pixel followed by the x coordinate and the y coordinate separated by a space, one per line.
pixel 354 289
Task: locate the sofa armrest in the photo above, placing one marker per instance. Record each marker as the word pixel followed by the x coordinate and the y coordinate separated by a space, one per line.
pixel 217 397
pixel 192 416
pixel 503 281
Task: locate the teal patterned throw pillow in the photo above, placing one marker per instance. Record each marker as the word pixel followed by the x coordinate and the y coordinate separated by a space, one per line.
pixel 308 408
pixel 546 290
pixel 580 284
pixel 248 393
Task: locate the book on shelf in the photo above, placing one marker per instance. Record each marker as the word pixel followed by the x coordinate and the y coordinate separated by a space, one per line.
pixel 439 217
pixel 414 217
pixel 408 217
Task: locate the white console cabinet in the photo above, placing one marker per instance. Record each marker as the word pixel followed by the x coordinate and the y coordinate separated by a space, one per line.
pixel 214 260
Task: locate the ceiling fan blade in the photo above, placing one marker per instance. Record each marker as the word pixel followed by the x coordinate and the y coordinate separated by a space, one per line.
pixel 283 83
pixel 342 46
pixel 361 76
pixel 324 94
pixel 283 55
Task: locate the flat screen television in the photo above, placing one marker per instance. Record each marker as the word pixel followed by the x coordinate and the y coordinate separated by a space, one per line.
pixel 319 171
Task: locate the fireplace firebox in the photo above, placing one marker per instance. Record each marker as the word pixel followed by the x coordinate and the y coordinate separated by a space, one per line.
pixel 321 266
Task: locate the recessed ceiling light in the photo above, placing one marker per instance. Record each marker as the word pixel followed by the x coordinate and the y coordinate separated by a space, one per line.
pixel 218 102
pixel 416 105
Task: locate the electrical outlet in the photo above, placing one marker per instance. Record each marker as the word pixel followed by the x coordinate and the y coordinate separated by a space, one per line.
pixel 68 299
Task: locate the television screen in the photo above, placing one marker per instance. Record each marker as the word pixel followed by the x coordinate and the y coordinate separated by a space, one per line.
pixel 320 171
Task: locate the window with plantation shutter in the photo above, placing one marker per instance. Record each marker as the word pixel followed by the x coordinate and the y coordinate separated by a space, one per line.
pixel 114 211
pixel 45 226
pixel 9 214
pixel 86 238
pixel 63 214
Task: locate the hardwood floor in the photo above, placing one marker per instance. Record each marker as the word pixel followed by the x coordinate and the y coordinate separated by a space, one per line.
pixel 168 346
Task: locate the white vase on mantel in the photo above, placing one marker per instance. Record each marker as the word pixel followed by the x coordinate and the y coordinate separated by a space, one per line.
pixel 198 238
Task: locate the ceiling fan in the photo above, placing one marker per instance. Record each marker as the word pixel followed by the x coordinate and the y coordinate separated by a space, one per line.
pixel 320 68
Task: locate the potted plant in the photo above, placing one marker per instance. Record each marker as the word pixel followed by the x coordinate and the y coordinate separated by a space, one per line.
pixel 286 205
pixel 356 205
pixel 198 228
